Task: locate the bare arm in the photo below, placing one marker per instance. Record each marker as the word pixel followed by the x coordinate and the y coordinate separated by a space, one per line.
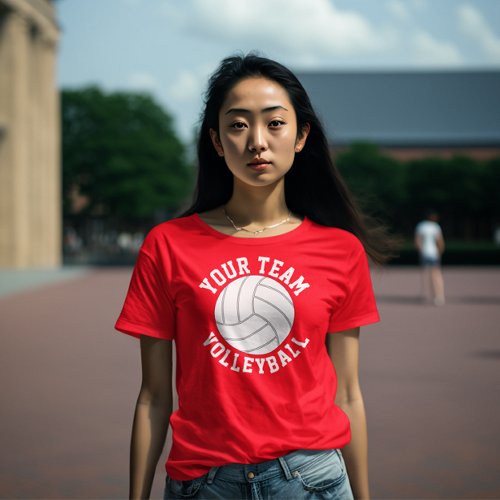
pixel 418 242
pixel 440 244
pixel 152 414
pixel 343 348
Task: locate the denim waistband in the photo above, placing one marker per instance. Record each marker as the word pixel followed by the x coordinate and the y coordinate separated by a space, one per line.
pixel 248 473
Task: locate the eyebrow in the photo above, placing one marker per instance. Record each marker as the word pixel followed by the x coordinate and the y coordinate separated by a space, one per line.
pixel 265 110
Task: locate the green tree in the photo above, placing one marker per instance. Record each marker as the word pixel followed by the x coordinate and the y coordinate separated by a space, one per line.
pixel 463 190
pixel 490 193
pixel 376 181
pixel 428 182
pixel 120 151
pixel 454 187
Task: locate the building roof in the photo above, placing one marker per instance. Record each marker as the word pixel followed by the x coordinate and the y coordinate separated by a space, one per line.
pixel 408 108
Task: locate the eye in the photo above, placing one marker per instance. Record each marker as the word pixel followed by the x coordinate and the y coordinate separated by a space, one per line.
pixel 238 125
pixel 276 123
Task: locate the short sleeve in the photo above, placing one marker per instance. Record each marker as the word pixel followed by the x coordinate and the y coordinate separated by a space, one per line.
pixel 357 307
pixel 148 308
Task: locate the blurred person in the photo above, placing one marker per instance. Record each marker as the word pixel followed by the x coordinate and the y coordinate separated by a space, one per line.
pixel 264 284
pixel 429 242
pixel 124 241
pixel 496 236
pixel 72 241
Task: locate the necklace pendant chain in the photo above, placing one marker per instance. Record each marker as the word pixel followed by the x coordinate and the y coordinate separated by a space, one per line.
pixel 258 231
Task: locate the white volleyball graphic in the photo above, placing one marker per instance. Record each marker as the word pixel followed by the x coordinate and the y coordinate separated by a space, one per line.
pixel 254 314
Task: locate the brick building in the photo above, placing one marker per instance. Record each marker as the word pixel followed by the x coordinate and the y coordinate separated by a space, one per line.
pixel 410 114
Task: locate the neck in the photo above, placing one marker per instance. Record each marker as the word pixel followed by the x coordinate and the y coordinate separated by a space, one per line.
pixel 259 205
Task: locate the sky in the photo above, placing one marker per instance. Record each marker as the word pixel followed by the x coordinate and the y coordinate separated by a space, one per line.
pixel 169 47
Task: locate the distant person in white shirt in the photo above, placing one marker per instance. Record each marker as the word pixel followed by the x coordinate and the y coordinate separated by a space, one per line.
pixel 430 244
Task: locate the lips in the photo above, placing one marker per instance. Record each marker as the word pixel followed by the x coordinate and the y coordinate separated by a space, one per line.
pixel 259 164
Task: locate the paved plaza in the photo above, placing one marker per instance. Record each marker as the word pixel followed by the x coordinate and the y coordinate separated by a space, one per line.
pixel 430 375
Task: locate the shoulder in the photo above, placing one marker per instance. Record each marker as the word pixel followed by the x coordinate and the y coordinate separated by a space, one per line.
pixel 165 232
pixel 425 227
pixel 430 227
pixel 338 238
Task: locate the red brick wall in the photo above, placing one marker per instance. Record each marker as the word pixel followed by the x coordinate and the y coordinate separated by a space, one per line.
pixel 414 153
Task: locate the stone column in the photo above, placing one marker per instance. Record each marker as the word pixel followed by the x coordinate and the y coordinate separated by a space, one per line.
pixel 6 173
pixel 36 138
pixel 14 226
pixel 30 198
pixel 51 182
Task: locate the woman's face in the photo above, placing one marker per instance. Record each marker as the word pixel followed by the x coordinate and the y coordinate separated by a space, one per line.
pixel 258 134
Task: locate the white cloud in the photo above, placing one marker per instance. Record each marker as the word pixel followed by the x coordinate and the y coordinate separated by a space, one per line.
pixel 473 24
pixel 185 86
pixel 309 31
pixel 142 81
pixel 398 9
pixel 189 85
pixel 430 51
pixel 420 4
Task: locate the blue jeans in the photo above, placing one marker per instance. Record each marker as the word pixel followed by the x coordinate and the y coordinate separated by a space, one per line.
pixel 311 474
pixel 429 261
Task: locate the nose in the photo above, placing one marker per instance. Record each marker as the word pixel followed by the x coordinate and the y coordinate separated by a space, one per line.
pixel 257 142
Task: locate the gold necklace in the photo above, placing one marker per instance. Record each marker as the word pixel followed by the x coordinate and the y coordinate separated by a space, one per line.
pixel 241 228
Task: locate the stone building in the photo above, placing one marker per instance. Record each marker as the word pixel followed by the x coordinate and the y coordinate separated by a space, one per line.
pixel 410 114
pixel 30 173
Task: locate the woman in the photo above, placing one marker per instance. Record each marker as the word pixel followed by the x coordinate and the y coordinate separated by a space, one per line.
pixel 430 245
pixel 248 282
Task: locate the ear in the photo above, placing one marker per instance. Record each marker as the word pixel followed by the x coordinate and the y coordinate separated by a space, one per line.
pixel 302 137
pixel 216 142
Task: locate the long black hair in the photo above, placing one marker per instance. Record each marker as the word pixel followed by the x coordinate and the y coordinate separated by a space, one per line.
pixel 313 186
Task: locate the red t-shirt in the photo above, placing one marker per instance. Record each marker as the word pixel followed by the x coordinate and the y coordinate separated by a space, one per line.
pixel 249 317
